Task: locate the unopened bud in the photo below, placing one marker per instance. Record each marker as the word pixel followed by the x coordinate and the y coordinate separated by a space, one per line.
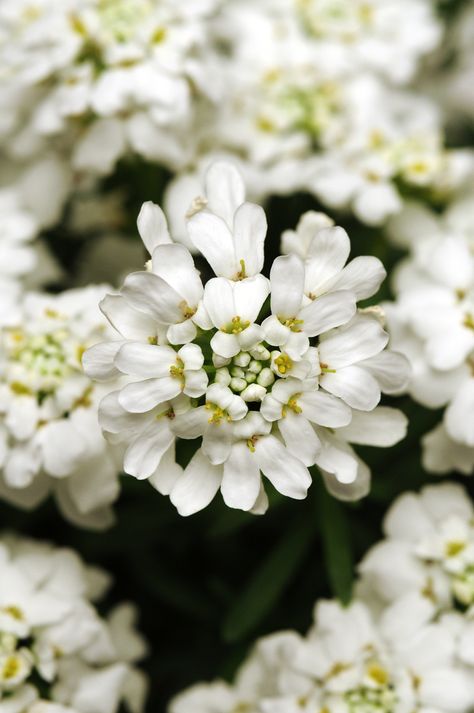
pixel 253 392
pixel 266 377
pixel 238 384
pixel 242 359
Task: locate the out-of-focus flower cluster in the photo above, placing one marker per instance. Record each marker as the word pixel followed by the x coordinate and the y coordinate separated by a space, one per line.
pixel 50 439
pixel 274 375
pixel 432 322
pixel 405 643
pixel 57 654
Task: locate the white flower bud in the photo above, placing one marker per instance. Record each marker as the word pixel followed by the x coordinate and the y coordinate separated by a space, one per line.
pixel 260 352
pixel 237 372
pixel 242 359
pixel 253 392
pixel 266 377
pixel 250 377
pixel 238 384
pixel 219 361
pixel 255 366
pixel 222 376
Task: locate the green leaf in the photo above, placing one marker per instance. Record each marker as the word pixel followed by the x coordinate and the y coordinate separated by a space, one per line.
pixel 269 581
pixel 337 545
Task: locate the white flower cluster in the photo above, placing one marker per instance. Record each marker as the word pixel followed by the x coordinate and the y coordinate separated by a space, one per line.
pixel 413 653
pixel 432 322
pixel 314 101
pixel 95 79
pixel 50 440
pixel 274 375
pixel 57 655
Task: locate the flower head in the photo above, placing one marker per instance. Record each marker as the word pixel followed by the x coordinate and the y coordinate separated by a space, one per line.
pixel 267 372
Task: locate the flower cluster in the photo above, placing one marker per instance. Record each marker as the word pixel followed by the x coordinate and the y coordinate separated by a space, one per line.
pixel 411 653
pixel 50 440
pixel 57 655
pixel 315 101
pixel 97 78
pixel 432 322
pixel 274 375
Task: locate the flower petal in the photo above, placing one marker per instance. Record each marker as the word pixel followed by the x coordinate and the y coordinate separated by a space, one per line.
pixel 144 454
pixel 287 284
pixel 145 360
pixel 250 229
pixel 129 322
pixel 240 486
pixel 364 337
pixel 226 345
pixel 384 426
pixel 211 237
pixel 225 189
pixel 152 226
pixel 355 386
pixel 325 409
pixel 286 473
pixel 175 265
pixel 98 361
pixel 299 437
pixel 327 255
pixel 150 294
pixel 144 395
pixel 249 296
pixel 197 486
pixel 327 312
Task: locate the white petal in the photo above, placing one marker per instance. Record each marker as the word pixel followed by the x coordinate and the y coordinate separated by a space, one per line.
pixel 196 382
pixel 361 339
pixel 192 423
pixel 286 473
pixel 391 369
pixel 145 360
pixel 192 356
pixel 175 265
pixel 226 345
pixel 225 189
pixel 22 465
pixel 363 276
pixel 250 337
pixel 459 416
pixel 113 418
pixel 98 361
pixel 249 296
pixel 144 395
pixel 219 301
pixel 150 294
pixel 382 427
pixel 129 322
pixel 355 490
pixel 211 236
pixel 241 482
pixel 299 437
pixel 152 226
pixel 451 349
pixel 250 229
pixel 324 409
pixel 217 442
pixel 60 462
pixel 197 486
pixel 181 333
pixel 287 284
pixel 355 386
pixel 337 458
pixel 143 455
pixel 100 146
pixel 327 312
pixel 167 474
pixel 327 255
pixel 275 332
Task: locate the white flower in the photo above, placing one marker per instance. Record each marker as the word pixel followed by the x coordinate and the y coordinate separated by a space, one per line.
pixel 56 654
pixel 330 366
pixel 46 399
pixel 432 322
pixel 429 547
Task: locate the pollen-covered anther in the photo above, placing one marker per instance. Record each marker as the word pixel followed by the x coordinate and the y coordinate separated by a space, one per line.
pixel 217 413
pixel 187 311
pixel 177 370
pixel 283 363
pixel 236 326
pixel 292 323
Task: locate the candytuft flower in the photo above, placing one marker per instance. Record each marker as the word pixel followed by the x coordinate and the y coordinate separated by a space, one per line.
pixel 274 375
